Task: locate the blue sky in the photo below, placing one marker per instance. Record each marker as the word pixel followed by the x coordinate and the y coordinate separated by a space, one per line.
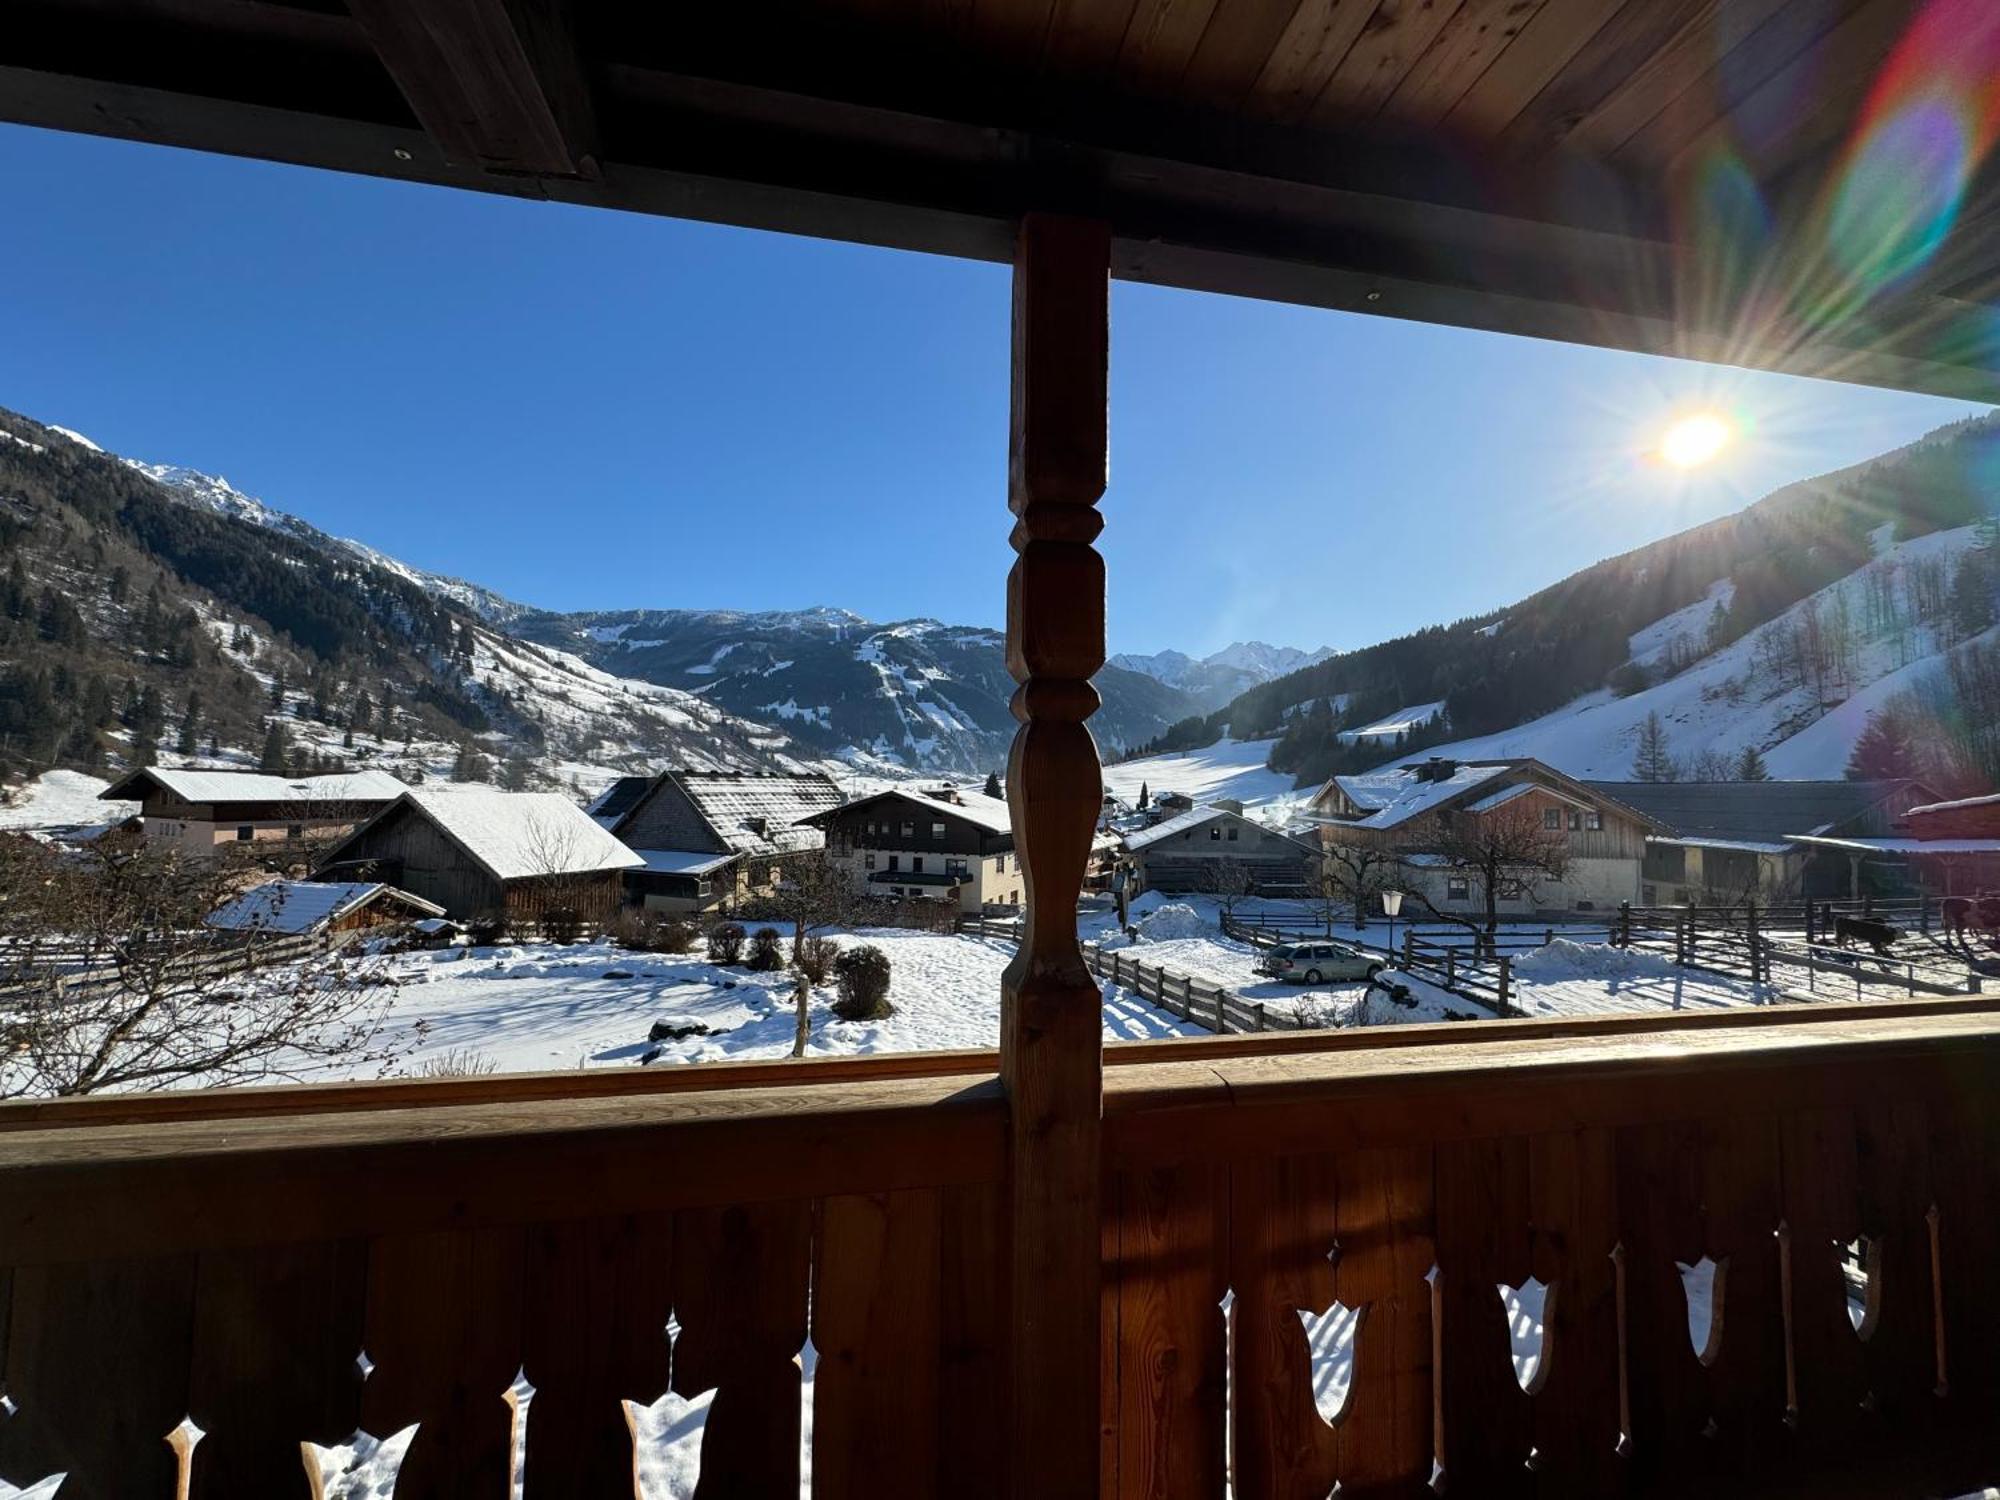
pixel 594 410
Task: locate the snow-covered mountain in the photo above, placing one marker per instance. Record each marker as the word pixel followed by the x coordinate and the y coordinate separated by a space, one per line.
pixel 918 693
pixel 766 688
pixel 1215 679
pixel 212 492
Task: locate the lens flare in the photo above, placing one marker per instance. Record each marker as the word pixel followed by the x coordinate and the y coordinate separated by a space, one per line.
pixel 1928 122
pixel 1694 440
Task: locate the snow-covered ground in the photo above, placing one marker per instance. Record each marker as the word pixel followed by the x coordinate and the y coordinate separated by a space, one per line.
pixel 63 803
pixel 536 1007
pixel 1233 769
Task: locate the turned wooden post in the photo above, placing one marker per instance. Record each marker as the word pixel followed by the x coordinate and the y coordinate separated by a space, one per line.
pixel 1051 1030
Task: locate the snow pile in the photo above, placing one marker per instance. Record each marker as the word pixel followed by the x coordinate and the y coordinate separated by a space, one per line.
pixel 1565 959
pixel 1173 921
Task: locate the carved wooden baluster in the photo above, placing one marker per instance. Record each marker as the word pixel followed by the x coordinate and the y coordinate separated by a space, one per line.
pixel 1051 1048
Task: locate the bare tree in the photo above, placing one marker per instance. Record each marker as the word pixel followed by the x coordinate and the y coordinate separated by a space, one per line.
pixel 109 980
pixel 1505 853
pixel 811 892
pixel 1351 876
pixel 1229 880
pixel 564 883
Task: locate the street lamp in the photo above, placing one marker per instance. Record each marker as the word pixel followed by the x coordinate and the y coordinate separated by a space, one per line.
pixel 1392 903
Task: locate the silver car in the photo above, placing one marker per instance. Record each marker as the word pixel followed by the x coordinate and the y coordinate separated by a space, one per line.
pixel 1319 962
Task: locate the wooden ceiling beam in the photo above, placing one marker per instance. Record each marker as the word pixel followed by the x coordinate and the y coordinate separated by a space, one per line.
pixel 498 84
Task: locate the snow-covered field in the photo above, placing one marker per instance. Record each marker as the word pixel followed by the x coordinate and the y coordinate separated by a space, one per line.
pixel 1230 768
pixel 64 804
pixel 536 1007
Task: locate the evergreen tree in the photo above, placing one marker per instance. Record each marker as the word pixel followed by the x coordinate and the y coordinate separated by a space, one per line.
pixel 993 784
pixel 1145 796
pixel 190 724
pixel 277 749
pixel 1972 594
pixel 1883 752
pixel 1653 760
pixel 278 690
pixel 1750 765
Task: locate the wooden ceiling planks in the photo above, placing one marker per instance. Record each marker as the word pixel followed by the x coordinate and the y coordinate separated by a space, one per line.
pixel 1804 106
pixel 1471 42
pixel 1552 36
pixel 1617 50
pixel 1233 50
pixel 1683 72
pixel 1160 40
pixel 1396 36
pixel 1313 45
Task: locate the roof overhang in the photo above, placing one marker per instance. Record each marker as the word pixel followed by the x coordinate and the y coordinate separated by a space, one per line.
pixel 880 127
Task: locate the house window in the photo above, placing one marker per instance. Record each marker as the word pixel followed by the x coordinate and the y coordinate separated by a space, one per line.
pixel 909 830
pixel 1232 835
pixel 1552 818
pixel 1215 832
pixel 1000 864
pixel 1458 888
pixel 870 859
pixel 245 834
pixel 895 861
pixel 1594 821
pixel 955 868
pixel 1013 898
pixel 916 864
pixel 295 830
pixel 937 831
pixel 1575 820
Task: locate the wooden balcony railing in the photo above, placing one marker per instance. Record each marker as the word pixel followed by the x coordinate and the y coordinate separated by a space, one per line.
pixel 238 1259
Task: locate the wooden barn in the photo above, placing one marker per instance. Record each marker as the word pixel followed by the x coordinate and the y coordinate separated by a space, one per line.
pixel 475 852
pixel 1061 1269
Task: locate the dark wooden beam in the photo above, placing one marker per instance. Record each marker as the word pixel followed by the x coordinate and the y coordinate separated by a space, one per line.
pixel 498 84
pixel 1051 1018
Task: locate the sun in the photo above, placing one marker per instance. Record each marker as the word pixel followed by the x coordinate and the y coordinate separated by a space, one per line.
pixel 1694 440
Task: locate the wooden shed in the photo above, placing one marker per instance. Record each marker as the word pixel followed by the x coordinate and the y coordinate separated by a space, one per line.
pixel 1061 1270
pixel 482 853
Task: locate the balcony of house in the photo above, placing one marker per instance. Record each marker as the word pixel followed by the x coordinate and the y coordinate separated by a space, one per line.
pixel 1617 1256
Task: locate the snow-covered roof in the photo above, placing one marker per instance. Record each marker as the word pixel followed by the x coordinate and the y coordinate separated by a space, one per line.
pixel 301 906
pixel 1992 799
pixel 611 804
pixel 256 786
pixel 970 803
pixel 684 861
pixel 1501 798
pixel 520 835
pixel 1759 811
pixel 759 812
pixel 1188 821
pixel 1395 796
pixel 1738 846
pixel 1905 846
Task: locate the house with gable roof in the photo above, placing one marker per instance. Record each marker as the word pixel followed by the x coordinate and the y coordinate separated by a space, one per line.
pixel 199 812
pixel 711 838
pixel 945 843
pixel 477 852
pixel 1418 809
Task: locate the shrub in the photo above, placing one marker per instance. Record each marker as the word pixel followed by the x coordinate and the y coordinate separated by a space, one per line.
pixel 815 959
pixel 639 931
pixel 487 930
pixel 765 954
pixel 863 975
pixel 457 1062
pixel 562 925
pixel 725 943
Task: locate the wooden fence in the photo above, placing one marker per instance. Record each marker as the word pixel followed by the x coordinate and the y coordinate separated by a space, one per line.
pixel 79 972
pixel 209 1257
